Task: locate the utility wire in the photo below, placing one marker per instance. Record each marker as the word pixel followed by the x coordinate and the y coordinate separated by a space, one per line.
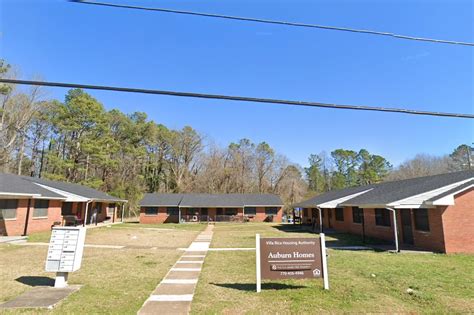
pixel 237 98
pixel 247 19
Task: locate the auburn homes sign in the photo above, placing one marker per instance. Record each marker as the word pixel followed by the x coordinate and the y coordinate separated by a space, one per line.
pixel 291 258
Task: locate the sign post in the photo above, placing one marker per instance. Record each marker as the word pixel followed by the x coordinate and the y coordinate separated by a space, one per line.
pixel 65 252
pixel 291 258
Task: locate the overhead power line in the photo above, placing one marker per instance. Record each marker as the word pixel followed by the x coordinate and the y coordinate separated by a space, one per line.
pixel 237 98
pixel 248 19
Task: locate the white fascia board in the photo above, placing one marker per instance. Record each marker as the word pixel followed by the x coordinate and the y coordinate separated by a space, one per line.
pixel 449 199
pixel 421 199
pixel 69 196
pixel 336 202
pixel 5 195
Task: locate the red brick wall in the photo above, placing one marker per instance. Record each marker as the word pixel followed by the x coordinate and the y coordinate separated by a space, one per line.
pixel 458 224
pixel 261 216
pixel 15 227
pixel 432 239
pixel 377 231
pixel 161 217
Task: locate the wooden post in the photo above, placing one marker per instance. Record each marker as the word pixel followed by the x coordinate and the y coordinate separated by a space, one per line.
pixel 257 255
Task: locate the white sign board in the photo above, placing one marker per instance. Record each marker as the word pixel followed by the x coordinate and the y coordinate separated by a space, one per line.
pixel 65 249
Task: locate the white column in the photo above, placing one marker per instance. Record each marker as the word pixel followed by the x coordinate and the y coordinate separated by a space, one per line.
pixel 324 261
pixel 395 228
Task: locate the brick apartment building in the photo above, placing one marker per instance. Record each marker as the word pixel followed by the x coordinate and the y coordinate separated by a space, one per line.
pixel 433 212
pixel 164 208
pixel 32 205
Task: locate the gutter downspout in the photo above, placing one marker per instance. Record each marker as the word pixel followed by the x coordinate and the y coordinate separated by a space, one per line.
pixel 395 228
pixel 86 212
pixel 320 220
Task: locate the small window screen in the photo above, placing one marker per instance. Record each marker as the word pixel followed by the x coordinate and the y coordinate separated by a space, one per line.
pixel 382 217
pixel 231 211
pixel 357 215
pixel 66 208
pixel 41 208
pixel 8 208
pixel 250 211
pixel 151 211
pixel 172 211
pixel 421 220
pixel 271 211
pixel 340 214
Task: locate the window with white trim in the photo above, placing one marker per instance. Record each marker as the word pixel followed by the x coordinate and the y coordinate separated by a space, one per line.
pixel 41 208
pixel 8 209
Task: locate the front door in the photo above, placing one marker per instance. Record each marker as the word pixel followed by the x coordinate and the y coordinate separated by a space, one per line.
pixel 407 229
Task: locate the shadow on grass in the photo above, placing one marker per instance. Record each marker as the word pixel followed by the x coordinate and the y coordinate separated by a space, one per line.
pixel 34 281
pixel 252 286
pixel 293 228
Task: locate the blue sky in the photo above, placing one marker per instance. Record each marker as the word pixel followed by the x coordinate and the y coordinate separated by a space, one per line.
pixel 63 41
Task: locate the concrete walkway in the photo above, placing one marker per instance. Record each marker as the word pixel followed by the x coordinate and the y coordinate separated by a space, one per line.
pixel 175 292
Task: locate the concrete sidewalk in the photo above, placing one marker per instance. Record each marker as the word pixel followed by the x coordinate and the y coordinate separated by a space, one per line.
pixel 174 294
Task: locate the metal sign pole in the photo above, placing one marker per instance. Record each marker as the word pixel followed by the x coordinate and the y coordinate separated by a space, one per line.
pixel 324 261
pixel 257 254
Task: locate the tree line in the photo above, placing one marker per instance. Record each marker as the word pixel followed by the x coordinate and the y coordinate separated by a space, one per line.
pixel 77 140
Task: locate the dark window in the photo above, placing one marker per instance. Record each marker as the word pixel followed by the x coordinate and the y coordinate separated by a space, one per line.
pixel 98 206
pixel 151 211
pixel 357 215
pixel 305 212
pixel 271 211
pixel 421 220
pixel 172 211
pixel 219 211
pixel 41 208
pixel 231 211
pixel 66 208
pixel 382 217
pixel 250 211
pixel 340 214
pixel 8 208
pixel 204 211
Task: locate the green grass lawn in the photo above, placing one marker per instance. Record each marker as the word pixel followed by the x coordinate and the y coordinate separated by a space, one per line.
pixel 118 281
pixel 115 281
pixel 243 235
pixel 360 281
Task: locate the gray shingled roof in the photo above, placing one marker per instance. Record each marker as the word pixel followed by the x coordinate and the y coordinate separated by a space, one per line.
pixel 161 200
pixel 389 192
pixel 76 189
pixel 13 184
pixel 261 200
pixel 453 191
pixel 331 195
pixel 210 200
